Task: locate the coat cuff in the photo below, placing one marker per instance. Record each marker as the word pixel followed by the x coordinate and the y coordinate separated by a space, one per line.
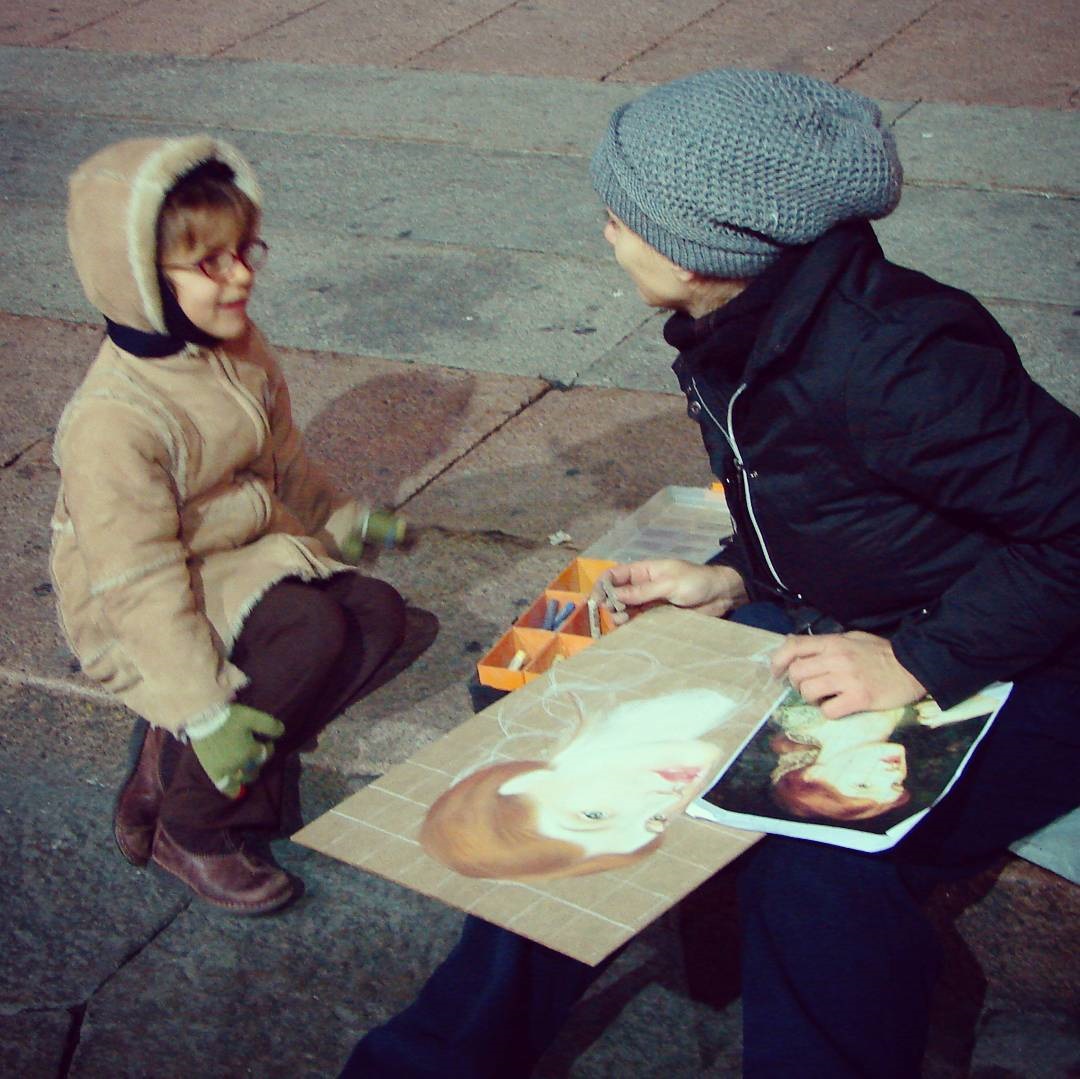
pixel 206 723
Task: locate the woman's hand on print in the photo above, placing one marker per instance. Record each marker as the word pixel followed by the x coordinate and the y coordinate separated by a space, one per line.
pixel 712 590
pixel 844 673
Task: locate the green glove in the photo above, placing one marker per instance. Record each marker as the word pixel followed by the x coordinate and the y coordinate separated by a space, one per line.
pixel 379 528
pixel 232 755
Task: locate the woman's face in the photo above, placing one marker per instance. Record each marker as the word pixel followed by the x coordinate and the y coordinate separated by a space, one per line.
pixel 617 802
pixel 876 771
pixel 660 283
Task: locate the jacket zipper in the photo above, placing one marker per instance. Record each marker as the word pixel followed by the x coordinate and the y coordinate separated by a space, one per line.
pixel 729 436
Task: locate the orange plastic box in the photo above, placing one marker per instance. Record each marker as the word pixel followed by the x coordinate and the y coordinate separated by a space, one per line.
pixel 580 576
pixel 562 646
pixel 493 669
pixel 541 646
pixel 533 618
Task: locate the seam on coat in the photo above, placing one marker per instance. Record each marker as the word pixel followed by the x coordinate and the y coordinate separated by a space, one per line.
pixel 143 403
pixel 254 409
pixel 94 656
pixel 99 588
pixel 207 722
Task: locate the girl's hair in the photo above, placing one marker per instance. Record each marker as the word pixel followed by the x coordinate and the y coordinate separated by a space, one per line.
pixel 478 832
pixel 192 214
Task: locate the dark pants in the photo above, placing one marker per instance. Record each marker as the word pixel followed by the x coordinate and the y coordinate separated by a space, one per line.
pixel 310 649
pixel 838 959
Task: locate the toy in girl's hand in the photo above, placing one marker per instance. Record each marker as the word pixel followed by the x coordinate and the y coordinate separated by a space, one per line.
pixel 375 528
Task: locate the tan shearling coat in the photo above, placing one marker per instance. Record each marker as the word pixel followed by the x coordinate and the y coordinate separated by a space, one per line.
pixel 185 491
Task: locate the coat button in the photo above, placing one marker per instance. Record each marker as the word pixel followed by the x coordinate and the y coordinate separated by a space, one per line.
pixel 693 410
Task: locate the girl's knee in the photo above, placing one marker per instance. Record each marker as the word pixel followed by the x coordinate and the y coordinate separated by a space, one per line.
pixel 376 608
pixel 295 618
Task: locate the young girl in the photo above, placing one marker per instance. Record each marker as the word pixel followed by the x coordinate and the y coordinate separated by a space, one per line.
pixel 602 801
pixel 198 556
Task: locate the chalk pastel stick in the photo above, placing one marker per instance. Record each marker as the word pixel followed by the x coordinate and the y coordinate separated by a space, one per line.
pixel 564 614
pixel 613 600
pixel 594 617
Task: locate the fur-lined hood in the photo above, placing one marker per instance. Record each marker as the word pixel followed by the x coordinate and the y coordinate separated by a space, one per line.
pixel 114 199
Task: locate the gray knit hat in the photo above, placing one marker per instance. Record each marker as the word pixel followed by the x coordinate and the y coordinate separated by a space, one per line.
pixel 720 171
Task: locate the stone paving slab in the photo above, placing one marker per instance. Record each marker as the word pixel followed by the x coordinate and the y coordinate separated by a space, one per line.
pixel 40 24
pixel 1048 340
pixel 1005 929
pixel 33 1043
pixel 74 909
pixel 940 143
pixel 995 244
pixel 963 146
pixel 826 39
pixel 31 644
pixel 41 363
pixel 563 38
pixel 640 361
pixel 491 113
pixel 575 461
pixel 385 430
pixel 340 32
pixel 349 190
pixel 512 312
pixel 969 51
pixel 1008 1039
pixel 193 28
pixel 290 992
pixel 993 52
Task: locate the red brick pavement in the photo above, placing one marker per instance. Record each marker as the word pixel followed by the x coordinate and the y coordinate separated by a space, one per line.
pixel 988 52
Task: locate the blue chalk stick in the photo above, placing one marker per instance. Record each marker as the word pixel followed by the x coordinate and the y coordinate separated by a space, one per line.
pixel 564 614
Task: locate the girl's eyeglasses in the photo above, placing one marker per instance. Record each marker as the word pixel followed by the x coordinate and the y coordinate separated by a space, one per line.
pixel 218 265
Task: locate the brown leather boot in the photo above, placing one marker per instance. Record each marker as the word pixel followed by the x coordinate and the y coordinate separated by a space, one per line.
pixel 233 880
pixel 140 800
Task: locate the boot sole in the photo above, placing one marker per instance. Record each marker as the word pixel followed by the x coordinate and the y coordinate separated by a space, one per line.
pixel 250 910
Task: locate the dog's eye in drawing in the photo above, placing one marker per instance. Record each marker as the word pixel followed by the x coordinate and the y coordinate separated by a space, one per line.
pixel 594 814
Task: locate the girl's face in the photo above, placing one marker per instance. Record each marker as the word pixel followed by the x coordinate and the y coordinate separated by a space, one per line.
pixel 622 802
pixel 876 771
pixel 213 279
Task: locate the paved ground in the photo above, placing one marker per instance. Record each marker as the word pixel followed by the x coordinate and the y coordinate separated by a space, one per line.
pixel 459 344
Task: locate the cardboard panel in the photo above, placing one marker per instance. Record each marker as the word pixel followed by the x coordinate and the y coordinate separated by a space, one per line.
pixel 620 735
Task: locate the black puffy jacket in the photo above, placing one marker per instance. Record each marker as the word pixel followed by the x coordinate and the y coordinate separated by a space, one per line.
pixel 890 464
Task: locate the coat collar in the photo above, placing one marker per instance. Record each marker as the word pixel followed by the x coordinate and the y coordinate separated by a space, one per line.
pixel 764 320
